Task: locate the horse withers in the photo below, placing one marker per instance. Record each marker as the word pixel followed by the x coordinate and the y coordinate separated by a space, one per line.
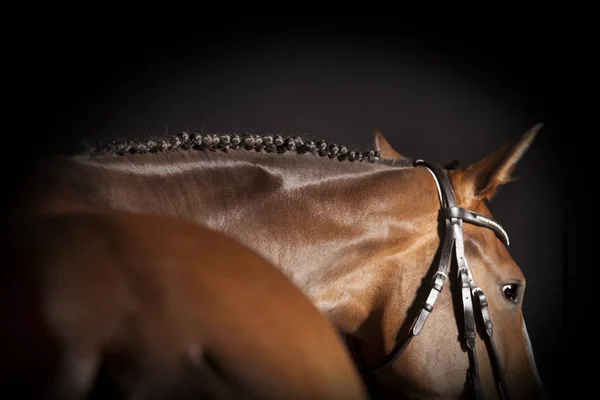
pixel 124 305
pixel 362 234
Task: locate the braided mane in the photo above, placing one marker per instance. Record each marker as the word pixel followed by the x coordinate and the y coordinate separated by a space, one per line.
pixel 213 142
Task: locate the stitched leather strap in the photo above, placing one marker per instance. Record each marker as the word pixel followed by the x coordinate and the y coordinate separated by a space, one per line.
pixel 438 281
pixel 442 179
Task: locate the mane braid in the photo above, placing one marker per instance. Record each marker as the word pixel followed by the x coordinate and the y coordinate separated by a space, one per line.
pixel 224 142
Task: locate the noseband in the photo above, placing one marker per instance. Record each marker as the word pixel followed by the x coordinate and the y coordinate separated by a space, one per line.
pixel 454 217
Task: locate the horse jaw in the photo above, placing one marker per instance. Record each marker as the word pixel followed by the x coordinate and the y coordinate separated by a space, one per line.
pixel 531 359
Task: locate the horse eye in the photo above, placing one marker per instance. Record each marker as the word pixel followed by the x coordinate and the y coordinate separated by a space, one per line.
pixel 510 291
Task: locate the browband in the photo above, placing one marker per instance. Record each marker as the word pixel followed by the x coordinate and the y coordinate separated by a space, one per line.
pixel 476 219
pixel 451 210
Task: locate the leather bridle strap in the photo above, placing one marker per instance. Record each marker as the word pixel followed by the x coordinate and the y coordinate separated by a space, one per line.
pixel 501 384
pixel 454 240
pixel 454 224
pixel 476 219
pixel 450 212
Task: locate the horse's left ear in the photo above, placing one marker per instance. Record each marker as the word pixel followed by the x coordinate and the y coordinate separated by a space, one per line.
pixel 384 147
pixel 482 179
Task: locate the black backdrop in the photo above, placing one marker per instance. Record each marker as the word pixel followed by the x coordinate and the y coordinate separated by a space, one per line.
pixel 441 96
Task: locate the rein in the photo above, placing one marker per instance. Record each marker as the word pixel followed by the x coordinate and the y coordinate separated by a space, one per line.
pixel 453 217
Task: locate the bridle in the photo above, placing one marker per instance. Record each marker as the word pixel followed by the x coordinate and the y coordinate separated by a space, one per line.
pixel 454 217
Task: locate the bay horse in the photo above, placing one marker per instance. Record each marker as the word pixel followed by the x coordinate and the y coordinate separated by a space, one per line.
pixel 365 235
pixel 126 305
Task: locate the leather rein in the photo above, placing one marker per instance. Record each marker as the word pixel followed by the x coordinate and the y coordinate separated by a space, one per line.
pixel 453 243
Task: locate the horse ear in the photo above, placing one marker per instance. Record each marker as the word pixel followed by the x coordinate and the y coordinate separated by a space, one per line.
pixel 384 147
pixel 482 179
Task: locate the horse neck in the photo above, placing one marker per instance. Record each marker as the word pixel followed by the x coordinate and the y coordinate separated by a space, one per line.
pixel 338 230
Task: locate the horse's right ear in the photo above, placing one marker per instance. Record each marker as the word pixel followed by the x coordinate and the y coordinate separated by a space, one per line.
pixel 482 179
pixel 384 147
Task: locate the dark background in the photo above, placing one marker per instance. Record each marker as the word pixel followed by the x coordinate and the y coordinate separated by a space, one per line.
pixel 455 92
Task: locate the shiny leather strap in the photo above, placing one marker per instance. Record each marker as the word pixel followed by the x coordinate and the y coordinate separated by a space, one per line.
pixel 477 219
pixel 499 376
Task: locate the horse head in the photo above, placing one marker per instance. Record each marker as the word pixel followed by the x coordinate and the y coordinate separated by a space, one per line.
pixel 432 359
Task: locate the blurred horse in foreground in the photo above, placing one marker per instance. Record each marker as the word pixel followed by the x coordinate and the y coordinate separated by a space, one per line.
pixel 122 305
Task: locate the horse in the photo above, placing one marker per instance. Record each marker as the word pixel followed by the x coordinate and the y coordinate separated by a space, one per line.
pixel 127 305
pixel 366 235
